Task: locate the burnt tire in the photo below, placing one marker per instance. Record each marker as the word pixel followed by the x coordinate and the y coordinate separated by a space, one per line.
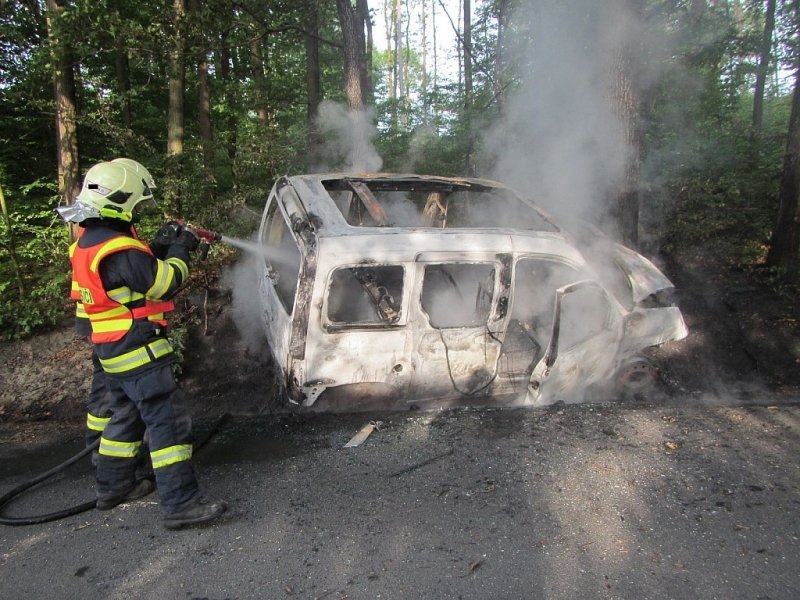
pixel 636 378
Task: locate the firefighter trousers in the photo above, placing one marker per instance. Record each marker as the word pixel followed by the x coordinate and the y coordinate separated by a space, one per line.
pixel 98 411
pixel 154 402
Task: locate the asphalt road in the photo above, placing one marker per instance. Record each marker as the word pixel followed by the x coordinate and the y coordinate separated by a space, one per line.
pixel 598 501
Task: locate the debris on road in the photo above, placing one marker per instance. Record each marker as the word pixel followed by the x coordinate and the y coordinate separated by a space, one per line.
pixel 364 433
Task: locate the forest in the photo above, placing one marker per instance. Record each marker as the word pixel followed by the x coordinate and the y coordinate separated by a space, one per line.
pixel 669 124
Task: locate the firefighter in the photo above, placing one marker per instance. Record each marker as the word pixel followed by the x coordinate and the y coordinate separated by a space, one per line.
pixel 124 290
pixel 98 412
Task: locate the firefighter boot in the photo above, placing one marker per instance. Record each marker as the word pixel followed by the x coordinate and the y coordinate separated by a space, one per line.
pixel 140 489
pixel 194 514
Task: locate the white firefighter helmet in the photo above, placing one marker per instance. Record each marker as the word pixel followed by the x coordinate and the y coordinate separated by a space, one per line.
pixel 139 168
pixel 110 190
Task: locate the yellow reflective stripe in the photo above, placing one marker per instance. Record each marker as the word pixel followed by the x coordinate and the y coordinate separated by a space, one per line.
pixel 113 245
pixel 111 325
pixel 80 311
pixel 182 267
pixel 136 358
pixel 119 449
pixel 171 455
pixel 75 286
pixel 164 277
pixel 96 423
pixel 111 313
pixel 123 295
pixel 72 247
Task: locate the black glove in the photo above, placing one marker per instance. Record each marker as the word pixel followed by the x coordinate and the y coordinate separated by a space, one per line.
pixel 167 235
pixel 188 239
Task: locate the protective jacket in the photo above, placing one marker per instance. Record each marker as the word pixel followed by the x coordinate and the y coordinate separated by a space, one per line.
pixel 122 289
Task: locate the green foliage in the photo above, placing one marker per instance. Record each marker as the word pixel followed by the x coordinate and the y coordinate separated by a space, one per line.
pixel 715 183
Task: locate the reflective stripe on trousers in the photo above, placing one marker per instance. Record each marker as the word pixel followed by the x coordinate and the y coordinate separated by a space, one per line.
pixel 96 423
pixel 171 455
pixel 136 358
pixel 119 449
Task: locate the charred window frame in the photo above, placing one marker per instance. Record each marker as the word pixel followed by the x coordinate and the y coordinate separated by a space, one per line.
pixel 536 279
pixel 283 263
pixel 585 314
pixel 458 294
pixel 365 296
pixel 433 203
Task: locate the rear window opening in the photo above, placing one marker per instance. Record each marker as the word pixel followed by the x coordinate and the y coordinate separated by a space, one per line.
pixel 458 295
pixel 362 295
pixel 432 204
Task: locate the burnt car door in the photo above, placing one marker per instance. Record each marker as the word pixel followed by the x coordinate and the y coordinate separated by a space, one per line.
pixel 459 333
pixel 279 275
pixel 583 346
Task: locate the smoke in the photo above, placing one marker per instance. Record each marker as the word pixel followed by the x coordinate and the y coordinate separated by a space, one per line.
pixel 241 279
pixel 348 139
pixel 560 141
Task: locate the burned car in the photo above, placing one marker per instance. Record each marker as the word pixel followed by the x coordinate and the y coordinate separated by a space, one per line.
pixel 390 290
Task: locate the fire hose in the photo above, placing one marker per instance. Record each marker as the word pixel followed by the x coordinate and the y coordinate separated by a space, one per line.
pixel 74 510
pixel 207 239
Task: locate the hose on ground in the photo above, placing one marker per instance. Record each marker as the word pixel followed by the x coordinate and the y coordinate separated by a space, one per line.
pixel 74 510
pixel 61 514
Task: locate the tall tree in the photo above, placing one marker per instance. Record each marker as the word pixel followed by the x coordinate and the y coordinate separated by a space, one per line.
pixel 122 69
pixel 399 70
pixel 175 114
pixel 352 57
pixel 499 56
pixel 203 101
pixel 364 38
pixel 469 167
pixel 257 70
pixel 764 53
pixel 231 98
pixel 785 242
pixel 66 104
pixel 313 79
pixel 424 81
pixel 625 98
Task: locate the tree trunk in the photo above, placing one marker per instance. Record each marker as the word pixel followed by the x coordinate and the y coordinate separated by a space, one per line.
pixel 625 100
pixel 499 57
pixel 398 55
pixel 435 102
pixel 66 106
pixel 388 23
pixel 364 29
pixel 785 242
pixel 204 105
pixel 699 8
pixel 231 101
pixel 469 167
pixel 765 52
pixel 313 80
pixel 175 115
pixel 122 72
pixel 352 68
pixel 11 247
pixel 257 70
pixel 424 81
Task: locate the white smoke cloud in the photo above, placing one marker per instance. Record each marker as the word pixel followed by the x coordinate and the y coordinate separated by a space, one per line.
pixel 560 141
pixel 348 139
